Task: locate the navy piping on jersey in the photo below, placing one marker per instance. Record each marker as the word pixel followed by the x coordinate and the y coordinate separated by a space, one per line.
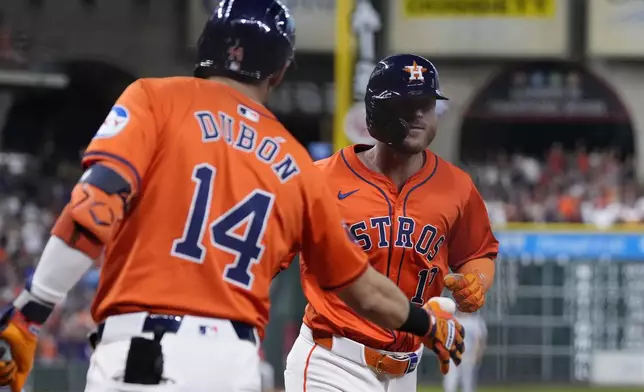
pixel 391 218
pixel 124 161
pixel 384 195
pixel 402 256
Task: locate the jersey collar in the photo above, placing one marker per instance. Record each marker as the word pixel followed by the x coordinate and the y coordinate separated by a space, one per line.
pixel 428 169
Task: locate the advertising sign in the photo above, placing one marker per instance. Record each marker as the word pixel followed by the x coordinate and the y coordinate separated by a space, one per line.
pixel 470 28
pixel 548 90
pixel 616 28
pixel 572 246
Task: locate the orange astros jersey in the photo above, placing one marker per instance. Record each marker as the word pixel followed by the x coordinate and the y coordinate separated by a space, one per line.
pixel 436 222
pixel 222 193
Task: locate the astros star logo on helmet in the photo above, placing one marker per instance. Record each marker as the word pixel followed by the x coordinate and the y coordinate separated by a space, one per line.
pixel 415 72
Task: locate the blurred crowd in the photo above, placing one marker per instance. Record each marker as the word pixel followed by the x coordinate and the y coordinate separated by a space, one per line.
pixel 29 204
pixel 597 187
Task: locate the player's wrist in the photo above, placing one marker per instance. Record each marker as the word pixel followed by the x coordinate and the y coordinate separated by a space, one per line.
pixel 418 321
pixel 31 310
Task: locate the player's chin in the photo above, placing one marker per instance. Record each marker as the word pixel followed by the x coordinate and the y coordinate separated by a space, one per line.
pixel 417 141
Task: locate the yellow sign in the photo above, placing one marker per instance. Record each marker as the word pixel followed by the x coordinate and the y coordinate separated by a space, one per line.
pixel 479 8
pixel 472 28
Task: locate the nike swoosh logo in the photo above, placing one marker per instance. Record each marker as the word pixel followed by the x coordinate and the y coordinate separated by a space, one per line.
pixel 342 196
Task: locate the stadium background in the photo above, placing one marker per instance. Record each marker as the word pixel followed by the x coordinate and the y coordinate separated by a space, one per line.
pixel 544 112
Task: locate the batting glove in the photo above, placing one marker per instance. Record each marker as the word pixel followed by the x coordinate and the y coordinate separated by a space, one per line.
pixel 445 336
pixel 8 367
pixel 467 290
pixel 20 325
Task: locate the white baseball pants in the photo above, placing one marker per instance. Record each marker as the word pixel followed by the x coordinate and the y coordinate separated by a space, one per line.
pixel 312 368
pixel 464 374
pixel 204 355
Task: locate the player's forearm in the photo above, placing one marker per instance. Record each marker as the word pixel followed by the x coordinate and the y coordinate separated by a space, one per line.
pixel 97 205
pixel 484 266
pixel 377 299
pixel 59 269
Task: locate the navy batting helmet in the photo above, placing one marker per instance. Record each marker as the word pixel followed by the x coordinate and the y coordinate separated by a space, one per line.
pixel 246 40
pixel 394 80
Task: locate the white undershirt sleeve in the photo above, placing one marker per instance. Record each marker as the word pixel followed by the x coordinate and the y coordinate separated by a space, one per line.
pixel 58 271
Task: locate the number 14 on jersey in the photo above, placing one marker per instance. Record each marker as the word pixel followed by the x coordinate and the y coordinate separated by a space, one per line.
pixel 253 211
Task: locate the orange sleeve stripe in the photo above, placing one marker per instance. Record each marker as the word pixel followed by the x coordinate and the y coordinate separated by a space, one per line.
pixel 306 366
pixel 95 156
pixel 349 281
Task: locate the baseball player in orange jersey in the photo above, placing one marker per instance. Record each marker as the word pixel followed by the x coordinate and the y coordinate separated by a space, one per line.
pixel 416 215
pixel 195 193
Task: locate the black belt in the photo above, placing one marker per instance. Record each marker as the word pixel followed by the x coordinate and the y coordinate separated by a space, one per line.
pixel 171 324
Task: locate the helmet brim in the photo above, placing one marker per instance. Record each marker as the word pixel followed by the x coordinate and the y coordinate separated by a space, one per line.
pixel 389 94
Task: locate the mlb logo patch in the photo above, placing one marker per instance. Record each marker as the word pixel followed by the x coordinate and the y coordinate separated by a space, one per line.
pixel 114 123
pixel 248 113
pixel 208 330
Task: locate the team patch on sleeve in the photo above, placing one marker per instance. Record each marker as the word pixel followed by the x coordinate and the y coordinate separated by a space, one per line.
pixel 114 123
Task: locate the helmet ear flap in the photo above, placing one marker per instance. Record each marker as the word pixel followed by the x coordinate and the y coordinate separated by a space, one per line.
pixel 382 126
pixel 395 131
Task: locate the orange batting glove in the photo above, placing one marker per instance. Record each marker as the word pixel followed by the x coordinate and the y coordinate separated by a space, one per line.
pixel 21 338
pixel 20 324
pixel 467 290
pixel 8 367
pixel 445 336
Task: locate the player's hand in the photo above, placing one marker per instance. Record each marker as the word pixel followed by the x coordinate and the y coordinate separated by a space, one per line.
pixel 8 368
pixel 467 290
pixel 446 334
pixel 21 337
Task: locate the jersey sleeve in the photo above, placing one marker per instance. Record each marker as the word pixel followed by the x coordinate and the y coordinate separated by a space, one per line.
pixel 129 135
pixel 285 263
pixel 328 248
pixel 472 237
